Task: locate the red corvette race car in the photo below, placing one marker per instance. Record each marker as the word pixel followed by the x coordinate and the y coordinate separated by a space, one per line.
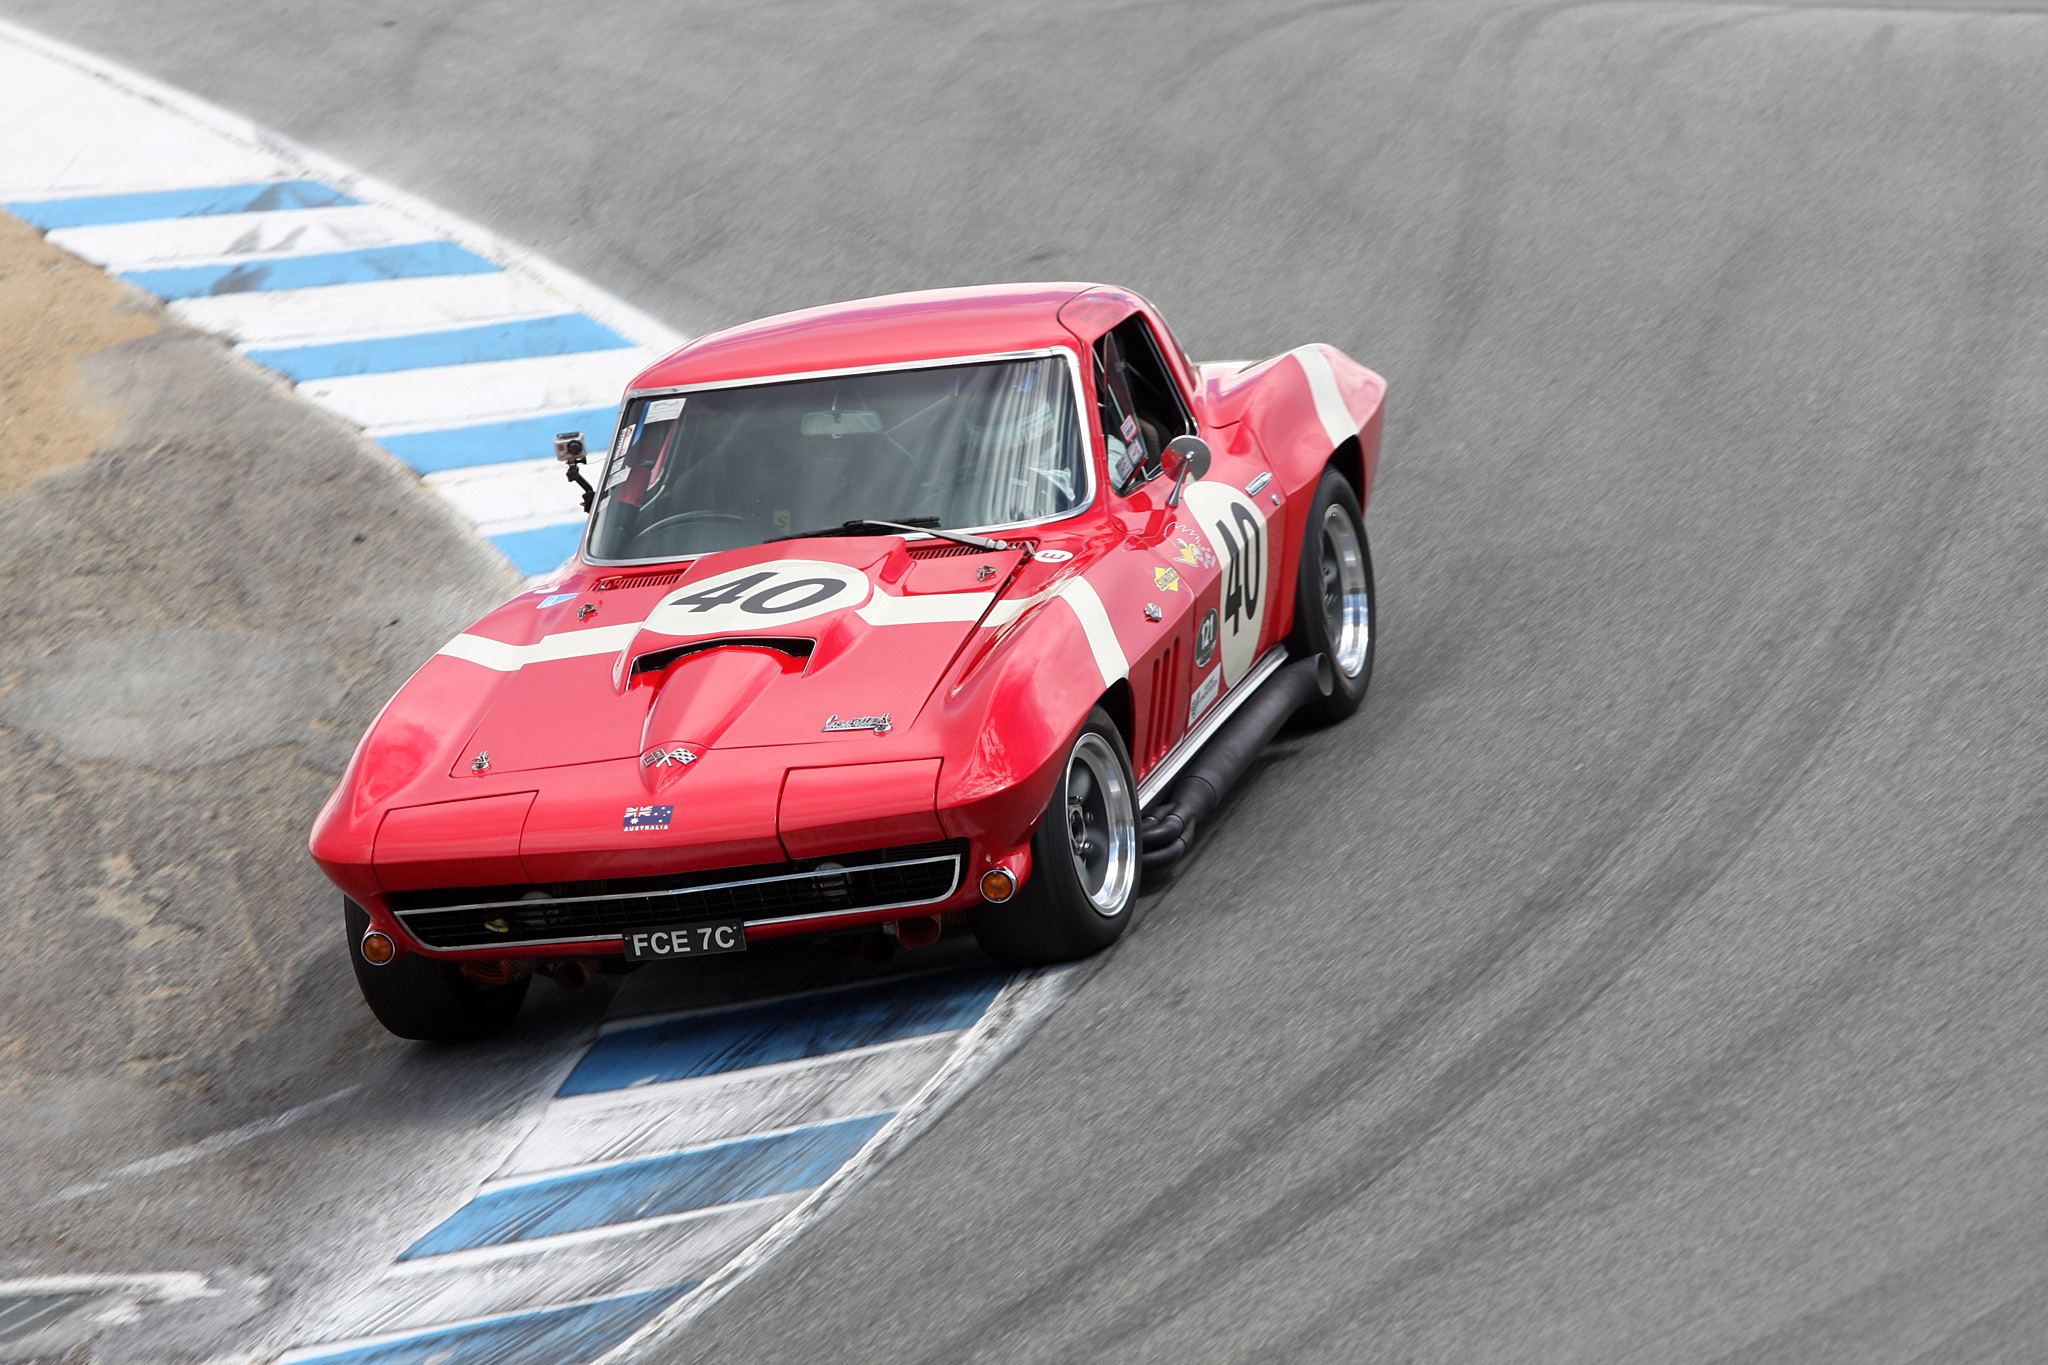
pixel 969 602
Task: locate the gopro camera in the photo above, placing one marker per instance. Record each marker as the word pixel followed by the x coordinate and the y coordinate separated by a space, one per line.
pixel 569 447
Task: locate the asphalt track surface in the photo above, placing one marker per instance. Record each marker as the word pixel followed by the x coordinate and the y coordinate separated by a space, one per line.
pixel 1655 969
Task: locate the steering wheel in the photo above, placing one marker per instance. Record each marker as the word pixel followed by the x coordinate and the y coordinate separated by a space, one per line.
pixel 646 531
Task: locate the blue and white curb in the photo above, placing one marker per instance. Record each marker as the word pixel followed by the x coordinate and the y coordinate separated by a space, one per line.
pixel 457 351
pixel 677 1157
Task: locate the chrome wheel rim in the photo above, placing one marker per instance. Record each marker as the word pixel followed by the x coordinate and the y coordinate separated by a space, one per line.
pixel 1102 825
pixel 1347 599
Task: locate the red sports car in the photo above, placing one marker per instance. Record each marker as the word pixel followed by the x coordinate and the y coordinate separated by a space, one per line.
pixel 962 603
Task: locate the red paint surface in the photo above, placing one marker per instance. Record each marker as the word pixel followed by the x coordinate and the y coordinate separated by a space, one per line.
pixel 982 710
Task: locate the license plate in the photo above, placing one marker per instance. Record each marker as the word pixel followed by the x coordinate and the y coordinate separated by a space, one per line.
pixel 686 940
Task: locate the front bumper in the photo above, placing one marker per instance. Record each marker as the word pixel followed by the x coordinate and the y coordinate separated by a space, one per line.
pixel 804 896
pixel 800 893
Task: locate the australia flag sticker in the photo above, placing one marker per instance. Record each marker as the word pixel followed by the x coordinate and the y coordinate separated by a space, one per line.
pixel 648 817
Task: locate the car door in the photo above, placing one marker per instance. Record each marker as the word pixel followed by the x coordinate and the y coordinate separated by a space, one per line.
pixel 1204 564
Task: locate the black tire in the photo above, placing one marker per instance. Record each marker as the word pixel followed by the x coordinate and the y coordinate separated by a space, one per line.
pixel 425 998
pixel 1084 861
pixel 1335 613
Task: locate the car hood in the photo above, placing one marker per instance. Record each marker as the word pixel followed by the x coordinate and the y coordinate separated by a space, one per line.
pixel 827 642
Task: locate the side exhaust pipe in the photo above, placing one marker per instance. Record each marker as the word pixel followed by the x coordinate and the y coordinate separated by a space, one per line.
pixel 1225 758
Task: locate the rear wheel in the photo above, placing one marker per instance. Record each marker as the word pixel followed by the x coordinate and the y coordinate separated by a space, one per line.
pixel 1084 861
pixel 426 998
pixel 1335 610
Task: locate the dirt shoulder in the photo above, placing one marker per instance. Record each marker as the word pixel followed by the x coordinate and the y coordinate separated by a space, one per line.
pixel 54 311
pixel 207 589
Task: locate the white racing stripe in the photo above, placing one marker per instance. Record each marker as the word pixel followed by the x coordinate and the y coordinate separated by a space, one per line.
pixel 918 609
pixel 619 1125
pixel 1080 594
pixel 568 644
pixel 1331 408
pixel 352 312
pixel 599 1262
pixel 232 237
pixel 511 497
pixel 493 390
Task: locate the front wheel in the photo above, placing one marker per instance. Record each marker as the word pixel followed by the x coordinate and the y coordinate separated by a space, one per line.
pixel 425 998
pixel 1084 861
pixel 1335 611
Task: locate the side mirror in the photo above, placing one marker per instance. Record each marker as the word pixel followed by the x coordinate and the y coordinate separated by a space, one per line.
pixel 1186 459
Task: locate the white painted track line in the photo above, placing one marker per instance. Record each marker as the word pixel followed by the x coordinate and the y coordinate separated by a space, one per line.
pixel 353 312
pixel 228 238
pixel 63 131
pixel 455 395
pixel 595 1264
pixel 618 1125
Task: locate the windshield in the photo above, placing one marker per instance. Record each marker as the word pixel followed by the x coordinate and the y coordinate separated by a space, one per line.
pixel 970 445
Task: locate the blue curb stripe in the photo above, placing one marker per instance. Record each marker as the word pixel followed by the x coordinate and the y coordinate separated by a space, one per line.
pixel 562 334
pixel 809 1026
pixel 552 1336
pixel 749 1168
pixel 411 261
pixel 541 549
pixel 92 210
pixel 529 438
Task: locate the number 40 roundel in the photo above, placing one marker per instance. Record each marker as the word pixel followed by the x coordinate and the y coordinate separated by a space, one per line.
pixel 766 596
pixel 1233 524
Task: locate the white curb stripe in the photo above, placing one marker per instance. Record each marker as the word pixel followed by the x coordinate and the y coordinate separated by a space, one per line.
pixel 490 391
pixel 618 1260
pixel 621 1125
pixel 231 238
pixel 502 1181
pixel 351 312
pixel 507 497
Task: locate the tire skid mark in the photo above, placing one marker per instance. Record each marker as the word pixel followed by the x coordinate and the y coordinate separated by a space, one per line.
pixel 1765 767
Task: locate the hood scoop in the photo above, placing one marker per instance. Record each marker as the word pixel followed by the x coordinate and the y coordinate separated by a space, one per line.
pixel 698 702
pixel 654 660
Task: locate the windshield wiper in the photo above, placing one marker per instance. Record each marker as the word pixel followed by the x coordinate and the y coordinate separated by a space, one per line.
pixel 915 525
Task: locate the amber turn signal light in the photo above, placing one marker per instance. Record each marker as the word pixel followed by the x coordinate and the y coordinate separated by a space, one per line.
pixel 378 948
pixel 998 884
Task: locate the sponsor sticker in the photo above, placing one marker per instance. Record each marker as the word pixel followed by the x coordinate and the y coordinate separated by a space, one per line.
pixel 647 818
pixel 1205 639
pixel 1190 549
pixel 1165 579
pixel 1052 556
pixel 1205 695
pixel 665 409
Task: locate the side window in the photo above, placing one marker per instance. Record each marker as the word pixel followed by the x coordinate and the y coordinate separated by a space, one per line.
pixel 1141 406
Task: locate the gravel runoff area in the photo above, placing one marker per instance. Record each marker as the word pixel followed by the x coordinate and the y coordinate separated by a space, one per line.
pixel 206 591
